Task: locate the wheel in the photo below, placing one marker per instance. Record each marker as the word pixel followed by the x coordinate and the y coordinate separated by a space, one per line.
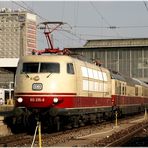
pixel 57 123
pixel 32 123
pixel 75 121
pixel 25 121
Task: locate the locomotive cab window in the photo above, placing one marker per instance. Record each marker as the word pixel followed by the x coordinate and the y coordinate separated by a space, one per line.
pixel 41 68
pixel 30 67
pixel 50 67
pixel 70 68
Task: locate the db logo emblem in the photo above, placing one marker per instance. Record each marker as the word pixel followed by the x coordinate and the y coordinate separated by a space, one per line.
pixel 36 78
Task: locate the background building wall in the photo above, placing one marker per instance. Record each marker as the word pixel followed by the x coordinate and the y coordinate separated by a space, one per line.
pixel 17 38
pixel 129 56
pixel 17 33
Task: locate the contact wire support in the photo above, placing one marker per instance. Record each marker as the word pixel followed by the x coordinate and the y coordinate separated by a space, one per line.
pixel 38 127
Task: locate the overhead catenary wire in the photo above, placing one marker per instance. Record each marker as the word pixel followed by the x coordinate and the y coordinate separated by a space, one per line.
pixel 110 27
pixel 27 6
pixel 42 18
pixel 80 35
pixel 103 18
pixel 72 30
pixel 63 11
pixel 30 10
pixel 145 5
pixel 76 10
pixel 99 13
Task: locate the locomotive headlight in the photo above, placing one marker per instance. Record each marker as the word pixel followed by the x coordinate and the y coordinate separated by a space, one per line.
pixel 20 100
pixel 55 100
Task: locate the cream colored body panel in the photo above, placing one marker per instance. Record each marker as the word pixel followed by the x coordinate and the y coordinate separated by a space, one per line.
pixel 93 83
pixel 55 83
pixel 118 87
pixel 144 91
pixel 63 82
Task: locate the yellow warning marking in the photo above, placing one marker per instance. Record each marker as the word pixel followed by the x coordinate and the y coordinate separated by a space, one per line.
pixel 94 134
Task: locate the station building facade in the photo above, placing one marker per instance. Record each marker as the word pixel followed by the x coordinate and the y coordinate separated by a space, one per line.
pixel 127 56
pixel 17 33
pixel 17 38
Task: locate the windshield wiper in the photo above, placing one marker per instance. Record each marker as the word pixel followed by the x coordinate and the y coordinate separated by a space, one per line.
pixel 49 75
pixel 27 75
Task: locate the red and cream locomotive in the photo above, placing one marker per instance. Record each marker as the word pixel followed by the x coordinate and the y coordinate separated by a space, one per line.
pixel 65 89
pixel 61 90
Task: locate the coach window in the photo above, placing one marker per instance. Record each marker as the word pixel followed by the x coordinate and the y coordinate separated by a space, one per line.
pixel 70 68
pixel 120 88
pixel 136 91
pixel 125 90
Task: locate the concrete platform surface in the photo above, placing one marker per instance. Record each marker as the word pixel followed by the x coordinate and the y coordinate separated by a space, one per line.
pixel 107 131
pixel 4 129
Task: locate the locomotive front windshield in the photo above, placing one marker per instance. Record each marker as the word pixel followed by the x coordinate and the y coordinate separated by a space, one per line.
pixel 41 67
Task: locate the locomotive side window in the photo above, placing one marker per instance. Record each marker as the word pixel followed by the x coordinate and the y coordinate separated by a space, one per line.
pixel 30 67
pixel 90 73
pixel 104 76
pixel 84 71
pixel 50 67
pixel 70 68
pixel 100 75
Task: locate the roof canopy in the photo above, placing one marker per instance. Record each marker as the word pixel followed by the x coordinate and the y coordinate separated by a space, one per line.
pixel 8 62
pixel 117 43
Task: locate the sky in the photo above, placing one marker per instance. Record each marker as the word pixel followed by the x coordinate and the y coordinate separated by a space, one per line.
pixel 87 20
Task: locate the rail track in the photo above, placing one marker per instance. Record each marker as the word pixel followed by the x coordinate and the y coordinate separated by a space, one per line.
pixel 48 139
pixel 14 140
pixel 123 136
pixel 53 139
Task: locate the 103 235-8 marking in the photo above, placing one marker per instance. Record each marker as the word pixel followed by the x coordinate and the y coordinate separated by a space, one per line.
pixel 37 100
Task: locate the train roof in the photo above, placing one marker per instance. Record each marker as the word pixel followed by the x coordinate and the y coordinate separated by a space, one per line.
pixel 47 55
pixel 54 58
pixel 45 58
pixel 141 82
pixel 116 75
pixel 138 82
pixel 128 80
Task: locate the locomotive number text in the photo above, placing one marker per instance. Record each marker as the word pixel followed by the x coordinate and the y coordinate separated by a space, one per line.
pixel 37 99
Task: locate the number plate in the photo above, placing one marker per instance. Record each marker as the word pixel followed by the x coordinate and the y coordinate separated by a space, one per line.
pixel 37 100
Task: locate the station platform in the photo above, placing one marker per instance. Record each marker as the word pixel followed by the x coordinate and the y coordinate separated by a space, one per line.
pixel 5 111
pixel 4 129
pixel 106 135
